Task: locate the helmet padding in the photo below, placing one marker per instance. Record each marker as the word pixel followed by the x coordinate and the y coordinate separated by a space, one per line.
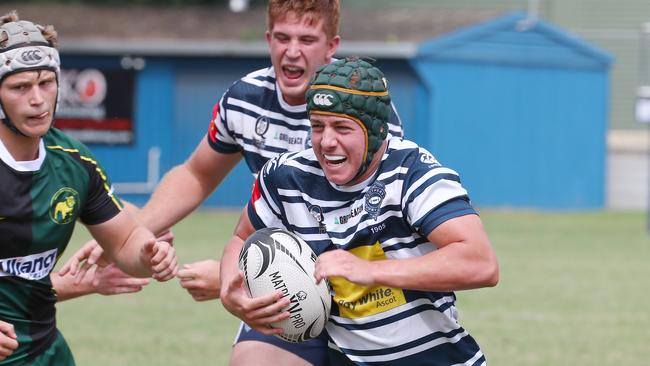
pixel 25 49
pixel 355 89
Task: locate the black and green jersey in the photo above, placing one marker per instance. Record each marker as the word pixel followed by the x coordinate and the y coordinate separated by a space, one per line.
pixel 40 201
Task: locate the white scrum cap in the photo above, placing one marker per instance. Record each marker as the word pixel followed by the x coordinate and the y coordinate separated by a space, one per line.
pixel 26 49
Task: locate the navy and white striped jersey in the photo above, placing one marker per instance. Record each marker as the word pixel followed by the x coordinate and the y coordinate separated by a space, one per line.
pixel 253 118
pixel 387 216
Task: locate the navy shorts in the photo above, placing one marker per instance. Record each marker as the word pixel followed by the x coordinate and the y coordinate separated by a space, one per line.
pixel 313 350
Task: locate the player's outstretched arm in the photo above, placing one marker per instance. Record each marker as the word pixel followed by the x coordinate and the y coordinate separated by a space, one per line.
pixel 257 312
pixel 201 279
pixel 134 248
pixel 109 280
pixel 8 340
pixel 92 253
pixel 464 260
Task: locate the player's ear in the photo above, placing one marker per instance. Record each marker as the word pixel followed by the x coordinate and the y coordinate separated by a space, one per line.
pixel 267 34
pixel 332 46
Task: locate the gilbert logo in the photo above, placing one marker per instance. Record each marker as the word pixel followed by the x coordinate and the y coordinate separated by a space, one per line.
pixel 323 99
pixel 31 56
pixel 31 267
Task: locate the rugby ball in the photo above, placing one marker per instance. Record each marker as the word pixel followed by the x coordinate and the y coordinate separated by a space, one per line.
pixel 278 260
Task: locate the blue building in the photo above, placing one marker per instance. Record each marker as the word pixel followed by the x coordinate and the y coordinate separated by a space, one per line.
pixel 516 105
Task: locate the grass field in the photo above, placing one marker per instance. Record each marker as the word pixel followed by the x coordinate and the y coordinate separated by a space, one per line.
pixel 574 290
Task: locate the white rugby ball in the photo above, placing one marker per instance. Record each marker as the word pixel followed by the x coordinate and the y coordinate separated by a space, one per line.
pixel 278 260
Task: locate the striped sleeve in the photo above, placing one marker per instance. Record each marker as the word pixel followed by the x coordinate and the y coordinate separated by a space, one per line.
pixel 264 207
pixel 220 136
pixel 434 194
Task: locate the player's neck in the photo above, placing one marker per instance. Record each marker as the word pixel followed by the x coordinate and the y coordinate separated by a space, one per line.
pixel 21 148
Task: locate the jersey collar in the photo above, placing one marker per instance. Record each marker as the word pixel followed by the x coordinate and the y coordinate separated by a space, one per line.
pixel 23 166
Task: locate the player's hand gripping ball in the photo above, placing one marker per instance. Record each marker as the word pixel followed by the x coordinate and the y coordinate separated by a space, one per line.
pixel 277 260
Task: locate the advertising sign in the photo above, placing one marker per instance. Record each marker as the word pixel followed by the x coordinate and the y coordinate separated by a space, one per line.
pixel 96 106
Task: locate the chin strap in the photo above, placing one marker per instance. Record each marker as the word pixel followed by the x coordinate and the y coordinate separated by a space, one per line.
pixel 12 127
pixel 7 122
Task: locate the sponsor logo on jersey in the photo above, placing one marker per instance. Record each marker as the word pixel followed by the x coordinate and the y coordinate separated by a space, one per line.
pixel 374 197
pixel 291 140
pixel 64 206
pixel 31 267
pixel 427 158
pixel 357 301
pixel 342 220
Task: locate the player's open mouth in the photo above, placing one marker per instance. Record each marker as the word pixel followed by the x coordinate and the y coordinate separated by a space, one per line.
pixel 293 72
pixel 334 159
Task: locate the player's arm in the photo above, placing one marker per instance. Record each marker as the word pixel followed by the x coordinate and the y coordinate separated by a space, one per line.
pixel 256 312
pixel 184 187
pixel 194 180
pixel 464 259
pixel 92 253
pixel 108 280
pixel 134 248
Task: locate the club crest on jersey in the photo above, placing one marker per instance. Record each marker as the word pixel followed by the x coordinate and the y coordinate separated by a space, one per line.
pixel 261 127
pixel 374 197
pixel 64 206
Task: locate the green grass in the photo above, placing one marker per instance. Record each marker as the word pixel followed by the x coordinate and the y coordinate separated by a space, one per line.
pixel 573 291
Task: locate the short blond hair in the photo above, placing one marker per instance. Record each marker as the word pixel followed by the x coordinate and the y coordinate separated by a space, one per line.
pixel 314 10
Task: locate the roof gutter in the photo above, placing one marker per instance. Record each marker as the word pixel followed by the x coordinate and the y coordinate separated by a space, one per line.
pixel 168 48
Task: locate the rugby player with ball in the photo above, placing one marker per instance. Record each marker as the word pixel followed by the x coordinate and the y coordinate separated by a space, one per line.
pixel 393 229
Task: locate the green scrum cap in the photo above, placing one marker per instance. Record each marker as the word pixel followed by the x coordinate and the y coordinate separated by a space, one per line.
pixel 354 89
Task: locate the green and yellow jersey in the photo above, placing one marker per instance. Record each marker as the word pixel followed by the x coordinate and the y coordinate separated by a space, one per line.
pixel 40 201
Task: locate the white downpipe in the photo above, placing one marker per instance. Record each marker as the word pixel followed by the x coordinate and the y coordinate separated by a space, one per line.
pixel 153 176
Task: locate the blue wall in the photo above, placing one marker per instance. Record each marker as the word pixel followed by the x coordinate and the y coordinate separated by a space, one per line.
pixel 173 107
pixel 519 137
pixel 199 85
pixel 522 115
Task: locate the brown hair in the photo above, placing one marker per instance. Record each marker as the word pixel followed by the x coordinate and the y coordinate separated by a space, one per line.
pixel 48 31
pixel 314 10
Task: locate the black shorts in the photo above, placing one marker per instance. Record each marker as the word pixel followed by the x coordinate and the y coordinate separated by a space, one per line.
pixel 313 350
